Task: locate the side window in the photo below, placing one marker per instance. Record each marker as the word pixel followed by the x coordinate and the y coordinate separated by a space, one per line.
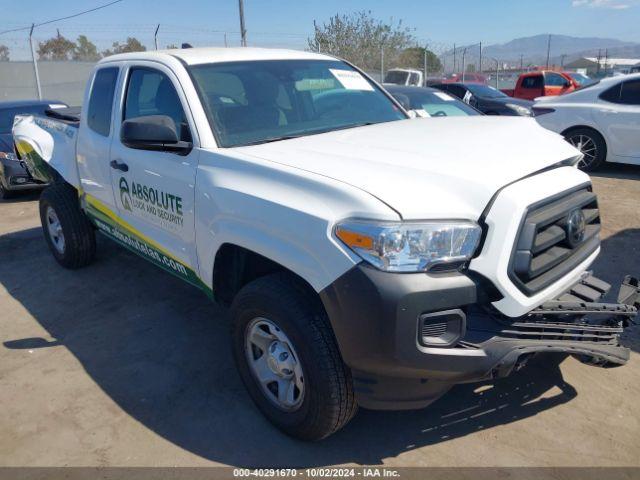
pixel 555 80
pixel 612 94
pixel 534 81
pixel 101 100
pixel 630 94
pixel 150 92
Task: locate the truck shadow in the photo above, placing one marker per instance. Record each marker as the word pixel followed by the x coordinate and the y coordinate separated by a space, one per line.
pixel 617 170
pixel 160 350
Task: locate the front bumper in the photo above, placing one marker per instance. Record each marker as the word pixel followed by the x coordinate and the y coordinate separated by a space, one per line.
pixel 377 320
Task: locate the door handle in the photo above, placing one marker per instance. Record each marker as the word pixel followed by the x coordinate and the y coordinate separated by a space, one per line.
pixel 119 166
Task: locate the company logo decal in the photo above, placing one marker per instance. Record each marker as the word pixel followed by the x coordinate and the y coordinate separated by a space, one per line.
pixel 155 205
pixel 125 196
pixel 576 226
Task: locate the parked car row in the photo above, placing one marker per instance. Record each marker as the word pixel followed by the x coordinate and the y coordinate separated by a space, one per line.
pixel 602 120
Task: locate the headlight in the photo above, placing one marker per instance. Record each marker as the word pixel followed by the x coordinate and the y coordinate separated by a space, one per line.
pixel 520 110
pixel 410 247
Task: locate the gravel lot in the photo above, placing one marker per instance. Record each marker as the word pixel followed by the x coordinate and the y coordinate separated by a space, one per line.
pixel 121 364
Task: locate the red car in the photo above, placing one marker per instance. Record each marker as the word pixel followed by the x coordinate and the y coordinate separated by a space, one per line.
pixel 542 83
pixel 468 78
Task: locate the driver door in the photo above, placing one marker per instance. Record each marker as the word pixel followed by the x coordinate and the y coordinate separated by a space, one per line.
pixel 154 190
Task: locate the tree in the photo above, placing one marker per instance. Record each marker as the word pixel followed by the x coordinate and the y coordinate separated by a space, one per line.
pixel 131 45
pixel 4 53
pixel 171 46
pixel 413 57
pixel 359 38
pixel 56 48
pixel 85 50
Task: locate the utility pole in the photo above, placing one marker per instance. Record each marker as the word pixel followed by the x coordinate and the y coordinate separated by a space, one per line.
pixel 225 40
pixel 606 57
pixel 425 65
pixel 35 63
pixel 548 50
pixel 521 63
pixel 382 64
pixel 480 61
pixel 243 31
pixel 562 60
pixel 454 58
pixel 155 36
pixel 464 53
pixel 599 57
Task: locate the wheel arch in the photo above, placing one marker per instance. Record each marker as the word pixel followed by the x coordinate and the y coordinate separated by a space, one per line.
pixel 235 266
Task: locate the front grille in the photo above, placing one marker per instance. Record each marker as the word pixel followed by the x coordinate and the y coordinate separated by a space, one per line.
pixel 549 245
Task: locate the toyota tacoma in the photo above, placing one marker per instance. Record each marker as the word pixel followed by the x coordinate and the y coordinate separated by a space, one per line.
pixel 368 258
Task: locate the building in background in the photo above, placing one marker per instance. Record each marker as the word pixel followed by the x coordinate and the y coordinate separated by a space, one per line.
pixel 591 66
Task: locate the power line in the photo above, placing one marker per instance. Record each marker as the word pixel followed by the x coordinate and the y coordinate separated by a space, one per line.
pixel 62 18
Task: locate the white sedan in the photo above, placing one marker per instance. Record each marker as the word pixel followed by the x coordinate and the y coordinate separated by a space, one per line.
pixel 602 120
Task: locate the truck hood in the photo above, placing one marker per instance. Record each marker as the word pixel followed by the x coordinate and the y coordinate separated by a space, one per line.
pixel 426 168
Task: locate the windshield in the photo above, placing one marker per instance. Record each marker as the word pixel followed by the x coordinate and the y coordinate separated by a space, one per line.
pixel 396 76
pixel 439 104
pixel 580 78
pixel 263 101
pixel 484 91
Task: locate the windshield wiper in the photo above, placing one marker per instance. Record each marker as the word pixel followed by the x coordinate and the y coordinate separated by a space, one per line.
pixel 272 139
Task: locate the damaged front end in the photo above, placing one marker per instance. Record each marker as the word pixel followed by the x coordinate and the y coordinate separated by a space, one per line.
pixel 575 323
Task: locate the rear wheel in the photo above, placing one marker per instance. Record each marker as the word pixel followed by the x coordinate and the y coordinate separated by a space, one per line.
pixel 288 358
pixel 592 146
pixel 68 232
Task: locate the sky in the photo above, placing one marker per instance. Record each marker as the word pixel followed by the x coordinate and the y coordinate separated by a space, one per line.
pixel 287 23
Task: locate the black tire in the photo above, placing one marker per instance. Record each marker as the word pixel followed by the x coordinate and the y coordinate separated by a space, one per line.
pixel 328 402
pixel 79 247
pixel 591 144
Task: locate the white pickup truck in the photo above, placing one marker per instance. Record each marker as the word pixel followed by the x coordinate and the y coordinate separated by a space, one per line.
pixel 368 258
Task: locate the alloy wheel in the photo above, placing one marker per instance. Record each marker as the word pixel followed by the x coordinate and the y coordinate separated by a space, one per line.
pixel 587 147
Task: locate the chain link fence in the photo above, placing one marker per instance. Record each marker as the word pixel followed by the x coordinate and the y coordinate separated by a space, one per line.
pixel 63 68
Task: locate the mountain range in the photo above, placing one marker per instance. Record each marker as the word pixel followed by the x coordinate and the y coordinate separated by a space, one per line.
pixel 534 49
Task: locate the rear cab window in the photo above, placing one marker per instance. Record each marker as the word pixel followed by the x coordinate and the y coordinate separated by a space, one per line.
pixel 101 100
pixel 532 81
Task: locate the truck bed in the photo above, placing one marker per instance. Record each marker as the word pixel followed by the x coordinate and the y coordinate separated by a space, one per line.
pixel 47 144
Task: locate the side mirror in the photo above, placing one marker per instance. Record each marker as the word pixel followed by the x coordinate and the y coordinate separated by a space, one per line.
pixel 153 132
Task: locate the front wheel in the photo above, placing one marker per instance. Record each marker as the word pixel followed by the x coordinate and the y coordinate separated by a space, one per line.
pixel 69 234
pixel 288 358
pixel 592 146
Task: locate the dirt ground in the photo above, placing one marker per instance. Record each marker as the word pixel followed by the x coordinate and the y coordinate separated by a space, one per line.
pixel 121 364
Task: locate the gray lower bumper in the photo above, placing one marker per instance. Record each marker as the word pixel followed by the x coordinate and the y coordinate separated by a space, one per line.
pixel 377 318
